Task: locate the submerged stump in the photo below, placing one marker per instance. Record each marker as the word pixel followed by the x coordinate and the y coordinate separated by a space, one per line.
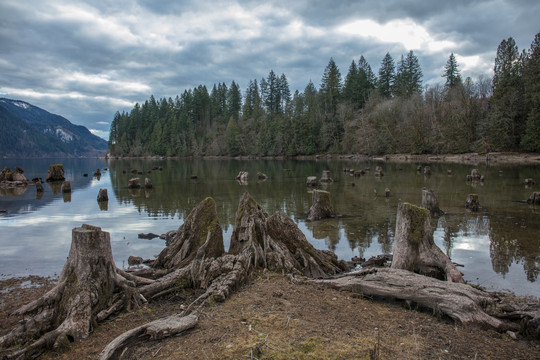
pixel 472 202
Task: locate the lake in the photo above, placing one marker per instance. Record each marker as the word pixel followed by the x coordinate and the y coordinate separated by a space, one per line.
pixel 499 246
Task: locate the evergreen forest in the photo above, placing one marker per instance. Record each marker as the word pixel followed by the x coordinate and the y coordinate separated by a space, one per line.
pixel 361 113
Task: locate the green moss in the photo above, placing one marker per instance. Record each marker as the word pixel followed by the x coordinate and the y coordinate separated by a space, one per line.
pixel 417 217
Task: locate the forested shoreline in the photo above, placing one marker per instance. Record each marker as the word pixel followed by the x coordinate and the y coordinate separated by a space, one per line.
pixel 361 113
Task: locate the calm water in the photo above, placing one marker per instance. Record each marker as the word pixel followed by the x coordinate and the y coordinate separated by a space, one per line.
pixel 499 246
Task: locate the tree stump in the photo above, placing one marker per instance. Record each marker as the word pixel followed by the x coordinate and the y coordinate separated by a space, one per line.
pixel 66 187
pixel 102 195
pixel 529 182
pixel 242 176
pixel 534 199
pixel 262 176
pixel 475 174
pixel 312 181
pixel 427 170
pixel 134 183
pixel 472 202
pixel 201 226
pixel 321 207
pixel 90 288
pixel 429 201
pixel 414 248
pixel 39 187
pixel 55 173
pixel 325 178
pixel 148 183
pixel 97 173
pixel 378 171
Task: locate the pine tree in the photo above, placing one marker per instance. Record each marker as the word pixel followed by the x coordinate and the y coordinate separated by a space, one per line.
pixel 331 88
pixel 351 88
pixel 385 83
pixel 234 101
pixel 451 72
pixel 531 76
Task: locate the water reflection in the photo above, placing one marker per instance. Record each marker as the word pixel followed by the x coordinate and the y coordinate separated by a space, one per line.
pixel 498 245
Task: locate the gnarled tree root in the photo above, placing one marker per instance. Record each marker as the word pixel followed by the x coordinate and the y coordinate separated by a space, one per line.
pixel 90 288
pixel 460 302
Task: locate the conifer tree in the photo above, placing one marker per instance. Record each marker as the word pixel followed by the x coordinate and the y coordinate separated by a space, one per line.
pixel 385 83
pixel 331 88
pixel 451 72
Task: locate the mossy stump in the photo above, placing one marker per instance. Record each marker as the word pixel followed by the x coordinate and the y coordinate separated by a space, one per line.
pixel 414 248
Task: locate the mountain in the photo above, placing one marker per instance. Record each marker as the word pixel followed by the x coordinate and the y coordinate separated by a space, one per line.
pixel 29 131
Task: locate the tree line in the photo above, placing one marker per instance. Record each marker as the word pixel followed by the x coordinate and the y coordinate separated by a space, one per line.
pixel 364 113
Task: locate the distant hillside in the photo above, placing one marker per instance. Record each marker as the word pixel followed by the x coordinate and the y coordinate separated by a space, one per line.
pixel 29 131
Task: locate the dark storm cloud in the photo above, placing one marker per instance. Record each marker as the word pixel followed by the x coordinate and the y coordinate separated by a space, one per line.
pixel 85 60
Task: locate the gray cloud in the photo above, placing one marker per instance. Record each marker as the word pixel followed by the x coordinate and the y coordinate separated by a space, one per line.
pixel 85 60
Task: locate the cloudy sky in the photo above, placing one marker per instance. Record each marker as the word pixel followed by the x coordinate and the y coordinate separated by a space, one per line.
pixel 85 60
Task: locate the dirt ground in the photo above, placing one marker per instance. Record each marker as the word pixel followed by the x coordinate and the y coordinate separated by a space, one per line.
pixel 272 318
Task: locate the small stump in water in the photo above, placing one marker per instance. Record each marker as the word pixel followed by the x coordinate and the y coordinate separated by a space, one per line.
pixel 148 183
pixel 55 173
pixel 134 183
pixel 472 202
pixel 102 195
pixel 312 181
pixel 534 199
pixel 325 178
pixel 66 187
pixel 322 207
pixel 429 201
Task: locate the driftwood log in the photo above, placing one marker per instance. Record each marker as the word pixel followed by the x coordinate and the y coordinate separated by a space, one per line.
pixel 89 290
pixel 172 325
pixel 460 302
pixel 414 248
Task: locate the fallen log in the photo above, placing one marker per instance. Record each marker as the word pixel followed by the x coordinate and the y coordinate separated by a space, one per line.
pixel 172 325
pixel 460 302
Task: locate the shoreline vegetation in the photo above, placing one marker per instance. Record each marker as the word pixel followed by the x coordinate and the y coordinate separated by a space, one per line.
pixel 465 158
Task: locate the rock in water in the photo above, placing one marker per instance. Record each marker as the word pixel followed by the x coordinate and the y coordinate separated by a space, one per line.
pixel 55 173
pixel 321 207
pixel 134 183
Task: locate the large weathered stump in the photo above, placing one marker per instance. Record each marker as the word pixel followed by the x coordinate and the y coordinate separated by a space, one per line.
pixel 201 226
pixel 429 201
pixel 321 207
pixel 90 288
pixel 55 173
pixel 414 248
